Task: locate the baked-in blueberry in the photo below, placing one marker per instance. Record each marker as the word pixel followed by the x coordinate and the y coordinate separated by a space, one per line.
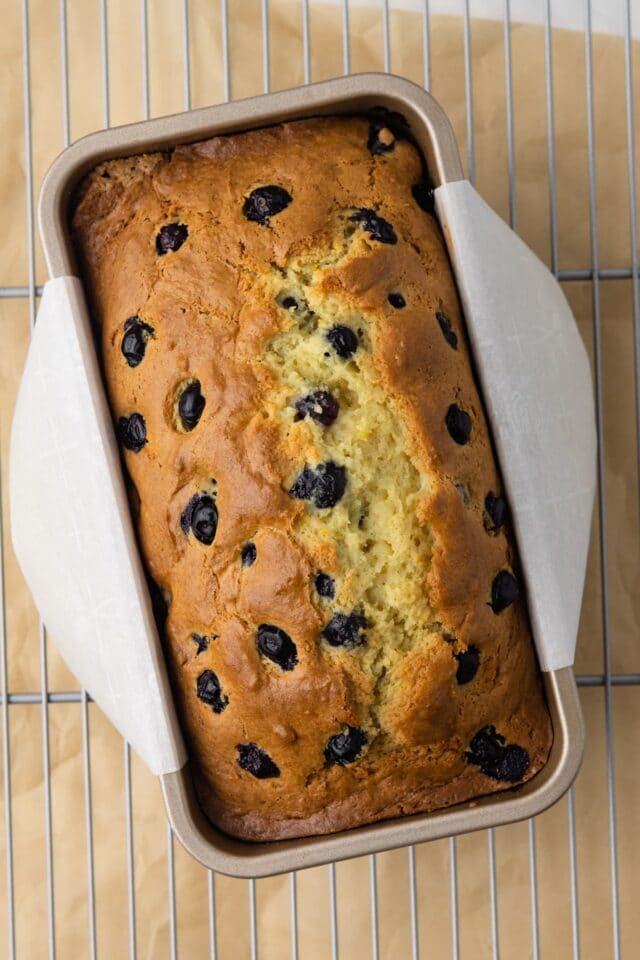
pixel 488 751
pixel 134 341
pixel 343 340
pixel 277 646
pixel 495 513
pixel 380 140
pixel 325 585
pixel 397 301
pixel 201 517
pixel 504 590
pixel 468 663
pixel 423 194
pixel 170 238
pixel 458 424
pixel 345 747
pixel 319 405
pixel 331 481
pixel 256 761
pixel 264 203
pixel 190 405
pixel 210 692
pixel 447 331
pixel 248 554
pixel 346 630
pixel 132 431
pixel 305 484
pixel 376 226
pixel 201 641
pixel 324 486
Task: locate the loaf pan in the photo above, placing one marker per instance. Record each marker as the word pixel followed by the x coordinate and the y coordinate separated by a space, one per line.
pixel 73 534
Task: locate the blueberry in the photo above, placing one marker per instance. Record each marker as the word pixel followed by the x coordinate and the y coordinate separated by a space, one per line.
pixel 512 765
pixel 449 334
pixel 376 226
pixel 345 747
pixel 190 405
pixel 468 663
pixel 345 630
pixel 325 585
pixel 264 203
pixel 201 641
pixel 134 341
pixel 495 513
pixel 458 424
pixel 201 517
pixel 330 484
pixel 504 590
pixel 170 238
pixel 248 554
pixel 132 431
pixel 305 484
pixel 397 300
pixel 277 646
pixel 488 751
pixel 256 762
pixel 380 140
pixel 423 194
pixel 319 405
pixel 343 340
pixel 210 691
pixel 324 486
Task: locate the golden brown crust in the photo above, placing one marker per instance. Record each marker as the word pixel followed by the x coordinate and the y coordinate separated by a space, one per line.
pixel 215 315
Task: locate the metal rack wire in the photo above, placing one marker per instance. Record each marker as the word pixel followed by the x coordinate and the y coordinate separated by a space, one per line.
pixel 593 272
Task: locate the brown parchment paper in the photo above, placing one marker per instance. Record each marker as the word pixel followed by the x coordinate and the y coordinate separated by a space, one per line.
pixel 71 846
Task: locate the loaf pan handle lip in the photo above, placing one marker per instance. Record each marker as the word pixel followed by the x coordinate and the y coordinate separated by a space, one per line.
pixel 356 93
pixel 73 534
pixel 242 859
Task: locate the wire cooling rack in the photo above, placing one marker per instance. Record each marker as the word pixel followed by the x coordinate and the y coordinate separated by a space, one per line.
pixel 91 868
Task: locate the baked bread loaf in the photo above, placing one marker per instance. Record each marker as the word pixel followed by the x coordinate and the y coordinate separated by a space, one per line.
pixel 313 481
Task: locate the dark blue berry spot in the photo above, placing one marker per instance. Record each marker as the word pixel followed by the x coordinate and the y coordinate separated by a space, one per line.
pixel 248 554
pixel 447 331
pixel 345 747
pixel 325 585
pixel 458 424
pixel 397 301
pixel 319 405
pixel 343 340
pixel 376 226
pixel 264 203
pixel 468 663
pixel 502 762
pixel 210 691
pixel 201 517
pixel 134 341
pixel 504 590
pixel 190 405
pixel 346 630
pixel 324 486
pixel 256 761
pixel 277 646
pixel 495 515
pixel 132 431
pixel 170 238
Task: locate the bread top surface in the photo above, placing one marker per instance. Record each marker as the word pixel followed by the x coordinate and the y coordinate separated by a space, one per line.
pixel 280 312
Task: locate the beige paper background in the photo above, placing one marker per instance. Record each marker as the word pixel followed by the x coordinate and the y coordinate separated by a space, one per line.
pixel 107 757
